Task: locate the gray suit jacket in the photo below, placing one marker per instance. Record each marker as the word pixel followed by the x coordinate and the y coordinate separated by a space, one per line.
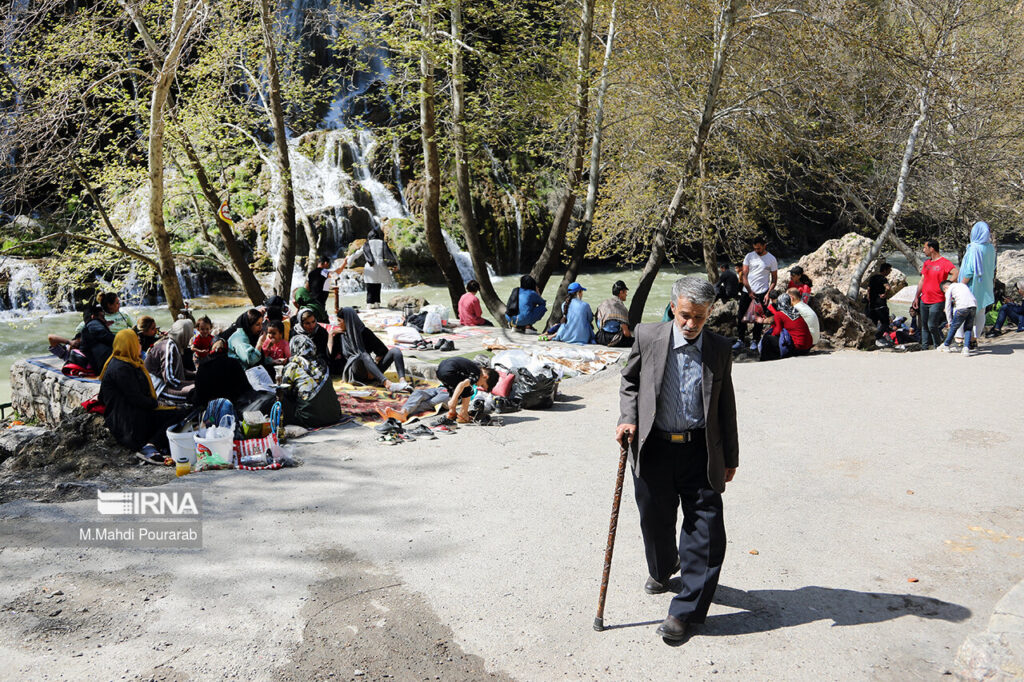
pixel 641 383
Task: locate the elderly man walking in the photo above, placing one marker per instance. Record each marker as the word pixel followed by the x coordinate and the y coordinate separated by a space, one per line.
pixel 678 417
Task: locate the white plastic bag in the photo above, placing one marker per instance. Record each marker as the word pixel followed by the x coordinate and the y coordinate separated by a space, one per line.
pixel 260 379
pixel 511 359
pixel 432 323
pixel 442 311
pixel 403 335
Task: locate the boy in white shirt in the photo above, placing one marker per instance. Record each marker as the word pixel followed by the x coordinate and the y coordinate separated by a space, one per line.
pixel 961 307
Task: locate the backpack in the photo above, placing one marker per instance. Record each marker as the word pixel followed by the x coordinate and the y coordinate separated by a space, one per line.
pixel 512 304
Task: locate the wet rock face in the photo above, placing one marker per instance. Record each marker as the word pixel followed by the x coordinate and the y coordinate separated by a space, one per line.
pixel 835 261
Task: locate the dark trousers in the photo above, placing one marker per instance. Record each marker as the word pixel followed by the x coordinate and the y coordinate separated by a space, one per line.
pixel 933 316
pixel 672 475
pixel 1015 311
pixel 373 292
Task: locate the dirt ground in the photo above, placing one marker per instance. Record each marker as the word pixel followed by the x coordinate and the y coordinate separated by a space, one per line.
pixel 72 462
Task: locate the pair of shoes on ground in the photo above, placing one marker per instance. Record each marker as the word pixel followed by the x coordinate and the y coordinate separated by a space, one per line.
pixel 966 352
pixel 390 425
pixel 421 431
pixel 443 420
pixel 395 437
pixel 740 345
pixel 444 345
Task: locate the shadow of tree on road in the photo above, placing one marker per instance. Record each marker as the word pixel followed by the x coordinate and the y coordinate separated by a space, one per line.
pixel 765 610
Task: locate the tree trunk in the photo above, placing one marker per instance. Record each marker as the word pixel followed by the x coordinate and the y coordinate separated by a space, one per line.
pixel 902 247
pixel 552 252
pixel 286 253
pixel 579 251
pixel 725 23
pixel 901 186
pixel 161 89
pixel 432 170
pixel 243 273
pixel 462 180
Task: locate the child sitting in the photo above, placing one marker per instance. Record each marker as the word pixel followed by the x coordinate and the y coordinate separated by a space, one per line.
pixel 275 348
pixel 202 341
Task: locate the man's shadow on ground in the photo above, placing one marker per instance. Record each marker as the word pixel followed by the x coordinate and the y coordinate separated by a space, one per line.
pixel 765 610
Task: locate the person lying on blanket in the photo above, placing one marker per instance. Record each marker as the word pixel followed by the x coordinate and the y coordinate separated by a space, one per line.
pixel 421 400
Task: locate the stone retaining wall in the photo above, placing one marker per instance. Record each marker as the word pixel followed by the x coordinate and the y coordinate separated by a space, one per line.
pixel 44 393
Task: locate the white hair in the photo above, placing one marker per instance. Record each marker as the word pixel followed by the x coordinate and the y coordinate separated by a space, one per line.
pixel 696 290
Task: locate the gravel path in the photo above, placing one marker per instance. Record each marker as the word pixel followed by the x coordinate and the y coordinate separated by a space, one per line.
pixel 873 525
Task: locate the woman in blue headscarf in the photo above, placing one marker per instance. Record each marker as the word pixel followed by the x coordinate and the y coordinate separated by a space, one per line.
pixel 978 272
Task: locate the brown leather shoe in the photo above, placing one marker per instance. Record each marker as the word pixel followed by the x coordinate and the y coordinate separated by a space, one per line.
pixel 672 630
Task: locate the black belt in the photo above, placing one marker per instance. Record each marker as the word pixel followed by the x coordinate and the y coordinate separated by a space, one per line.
pixel 684 437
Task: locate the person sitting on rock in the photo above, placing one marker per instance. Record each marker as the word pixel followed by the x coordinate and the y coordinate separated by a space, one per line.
pixel 790 335
pixel 470 313
pixel 97 340
pixel 801 282
pixel 579 318
pixel 357 345
pixel 613 319
pixel 531 306
pixel 132 413
pixel 245 341
pixel 1011 308
pixel 728 287
pixel 116 318
pixel 148 332
pixel 165 363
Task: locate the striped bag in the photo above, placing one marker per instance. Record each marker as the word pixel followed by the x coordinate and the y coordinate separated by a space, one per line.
pixel 256 446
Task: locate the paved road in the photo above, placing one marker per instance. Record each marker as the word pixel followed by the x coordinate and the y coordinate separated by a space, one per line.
pixel 858 472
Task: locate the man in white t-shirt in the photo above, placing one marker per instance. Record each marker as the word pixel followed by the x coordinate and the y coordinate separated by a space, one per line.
pixel 760 273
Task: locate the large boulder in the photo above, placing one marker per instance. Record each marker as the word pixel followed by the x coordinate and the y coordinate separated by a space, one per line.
pixel 835 261
pixel 843 325
pixel 400 301
pixel 723 318
pixel 1010 265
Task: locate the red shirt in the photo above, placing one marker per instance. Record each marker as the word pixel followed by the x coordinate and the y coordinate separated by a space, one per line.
pixel 934 272
pixel 798 330
pixel 470 314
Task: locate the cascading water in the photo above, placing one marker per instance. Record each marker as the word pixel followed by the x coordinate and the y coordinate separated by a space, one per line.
pixel 498 170
pixel 26 293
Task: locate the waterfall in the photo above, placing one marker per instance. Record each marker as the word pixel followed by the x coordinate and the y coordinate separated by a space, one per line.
pixel 506 186
pixel 192 284
pixel 26 292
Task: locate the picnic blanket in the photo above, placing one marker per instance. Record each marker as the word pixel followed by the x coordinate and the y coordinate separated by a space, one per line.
pixel 580 360
pixel 363 408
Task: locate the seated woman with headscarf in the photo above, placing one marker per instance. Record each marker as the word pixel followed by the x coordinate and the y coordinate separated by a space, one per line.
pixel 316 403
pixel 133 414
pixel 357 345
pixel 304 299
pixel 246 339
pixel 328 347
pixel 220 377
pixel 165 363
pixel 790 334
pixel 579 319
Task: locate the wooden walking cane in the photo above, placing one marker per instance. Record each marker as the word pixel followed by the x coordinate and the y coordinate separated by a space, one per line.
pixel 612 526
